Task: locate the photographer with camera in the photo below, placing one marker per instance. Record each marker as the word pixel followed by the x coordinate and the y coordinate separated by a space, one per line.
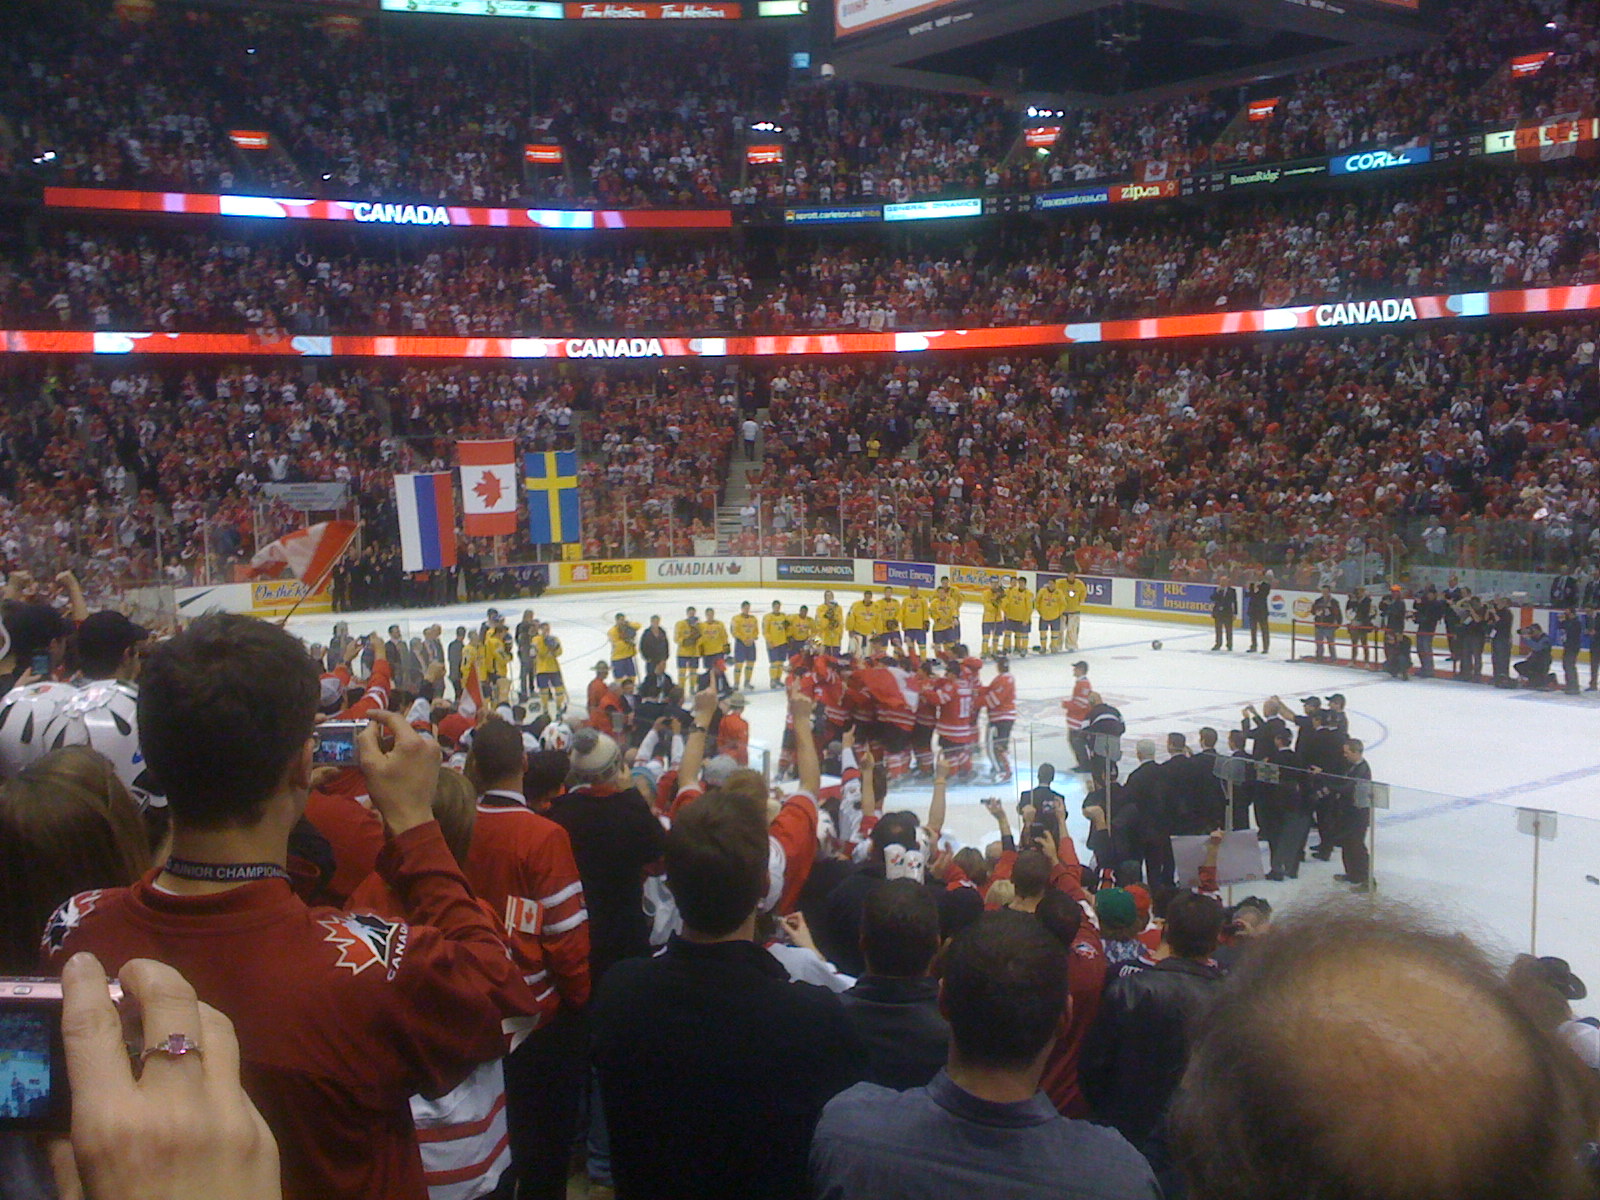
pixel 1535 669
pixel 338 1013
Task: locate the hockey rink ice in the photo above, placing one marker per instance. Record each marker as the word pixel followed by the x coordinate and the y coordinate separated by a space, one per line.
pixel 1460 759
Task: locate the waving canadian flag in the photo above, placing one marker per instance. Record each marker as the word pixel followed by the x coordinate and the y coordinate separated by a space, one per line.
pixel 488 487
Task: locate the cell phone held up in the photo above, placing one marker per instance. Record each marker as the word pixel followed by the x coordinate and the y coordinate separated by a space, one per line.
pixel 336 743
pixel 34 1094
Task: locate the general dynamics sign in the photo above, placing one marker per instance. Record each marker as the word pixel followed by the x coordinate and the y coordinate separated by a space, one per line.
pixel 1379 160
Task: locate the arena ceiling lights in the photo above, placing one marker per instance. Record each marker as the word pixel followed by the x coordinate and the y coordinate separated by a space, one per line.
pixel 1391 312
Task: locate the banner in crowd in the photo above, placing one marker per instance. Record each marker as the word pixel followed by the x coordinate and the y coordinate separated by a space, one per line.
pixel 672 570
pixel 426 505
pixel 817 570
pixel 898 574
pixel 550 478
pixel 488 487
pixel 326 496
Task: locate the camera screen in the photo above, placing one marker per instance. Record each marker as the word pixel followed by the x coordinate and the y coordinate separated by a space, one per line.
pixel 335 747
pixel 25 1063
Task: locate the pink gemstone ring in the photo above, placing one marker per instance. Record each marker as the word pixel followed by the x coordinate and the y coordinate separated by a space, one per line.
pixel 174 1045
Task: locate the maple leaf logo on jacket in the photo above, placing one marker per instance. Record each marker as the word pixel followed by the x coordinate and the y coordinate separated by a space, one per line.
pixel 488 489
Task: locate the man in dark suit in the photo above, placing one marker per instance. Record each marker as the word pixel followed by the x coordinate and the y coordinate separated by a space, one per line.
pixel 1224 611
pixel 1146 791
pixel 1257 607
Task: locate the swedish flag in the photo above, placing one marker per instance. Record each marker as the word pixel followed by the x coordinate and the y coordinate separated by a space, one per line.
pixel 551 480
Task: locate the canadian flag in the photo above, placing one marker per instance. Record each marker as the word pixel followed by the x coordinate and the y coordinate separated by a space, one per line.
pixel 306 554
pixel 1153 170
pixel 488 487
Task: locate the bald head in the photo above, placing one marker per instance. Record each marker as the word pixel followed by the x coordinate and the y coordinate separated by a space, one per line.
pixel 1356 1054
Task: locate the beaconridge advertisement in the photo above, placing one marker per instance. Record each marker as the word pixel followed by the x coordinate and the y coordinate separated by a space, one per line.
pixel 818 570
pixel 603 572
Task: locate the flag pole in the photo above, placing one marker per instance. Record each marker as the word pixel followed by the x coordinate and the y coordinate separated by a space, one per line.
pixel 343 550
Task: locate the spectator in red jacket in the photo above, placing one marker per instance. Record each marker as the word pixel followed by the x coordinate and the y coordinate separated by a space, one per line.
pixel 521 863
pixel 338 1014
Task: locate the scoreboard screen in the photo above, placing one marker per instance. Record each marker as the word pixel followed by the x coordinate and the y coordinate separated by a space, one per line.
pixel 851 17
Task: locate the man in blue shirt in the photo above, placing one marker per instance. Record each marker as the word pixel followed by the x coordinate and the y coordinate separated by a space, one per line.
pixel 982 1127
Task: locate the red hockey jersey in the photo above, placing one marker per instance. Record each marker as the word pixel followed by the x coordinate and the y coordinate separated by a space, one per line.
pixel 342 1017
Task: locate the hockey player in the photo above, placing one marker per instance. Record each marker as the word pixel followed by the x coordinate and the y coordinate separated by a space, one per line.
pixel 1077 707
pixel 713 641
pixel 927 712
pixel 547 672
pixel 1049 603
pixel 686 636
pixel 993 620
pixel 889 619
pixel 1000 702
pixel 802 628
pixel 775 631
pixel 1073 593
pixel 830 623
pixel 624 645
pixel 745 629
pixel 956 717
pixel 944 611
pixel 862 623
pixel 914 619
pixel 1017 607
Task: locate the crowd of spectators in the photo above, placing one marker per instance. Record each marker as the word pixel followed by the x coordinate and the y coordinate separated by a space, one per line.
pixel 729 988
pixel 394 111
pixel 1451 448
pixel 1529 227
pixel 1183 463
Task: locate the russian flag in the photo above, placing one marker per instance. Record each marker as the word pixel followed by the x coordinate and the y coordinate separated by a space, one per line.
pixel 427 508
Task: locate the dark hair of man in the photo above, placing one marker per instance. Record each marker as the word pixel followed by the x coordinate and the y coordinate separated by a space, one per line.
pixel 1003 989
pixel 496 754
pixel 1357 1053
pixel 1194 925
pixel 899 930
pixel 1046 774
pixel 1030 874
pixel 546 774
pixel 716 858
pixel 1061 915
pixel 893 829
pixel 224 708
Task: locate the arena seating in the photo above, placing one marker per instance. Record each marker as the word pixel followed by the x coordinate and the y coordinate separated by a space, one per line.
pixel 1527 227
pixel 410 114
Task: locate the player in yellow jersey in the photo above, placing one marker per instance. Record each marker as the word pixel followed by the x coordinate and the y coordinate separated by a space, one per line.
pixel 713 639
pixel 802 628
pixel 889 618
pixel 1073 592
pixel 994 621
pixel 745 629
pixel 830 623
pixel 862 623
pixel 547 672
pixel 775 629
pixel 1049 603
pixel 944 610
pixel 1018 608
pixel 686 636
pixel 914 619
pixel 624 637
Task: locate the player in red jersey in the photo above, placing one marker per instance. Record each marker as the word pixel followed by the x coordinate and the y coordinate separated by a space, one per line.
pixel 1000 701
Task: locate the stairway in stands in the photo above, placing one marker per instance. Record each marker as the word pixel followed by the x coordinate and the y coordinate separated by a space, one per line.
pixel 737 493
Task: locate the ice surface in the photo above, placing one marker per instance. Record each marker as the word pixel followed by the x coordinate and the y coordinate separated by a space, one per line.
pixel 1460 758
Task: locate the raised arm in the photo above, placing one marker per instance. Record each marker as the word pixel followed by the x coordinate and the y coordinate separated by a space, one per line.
pixel 936 806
